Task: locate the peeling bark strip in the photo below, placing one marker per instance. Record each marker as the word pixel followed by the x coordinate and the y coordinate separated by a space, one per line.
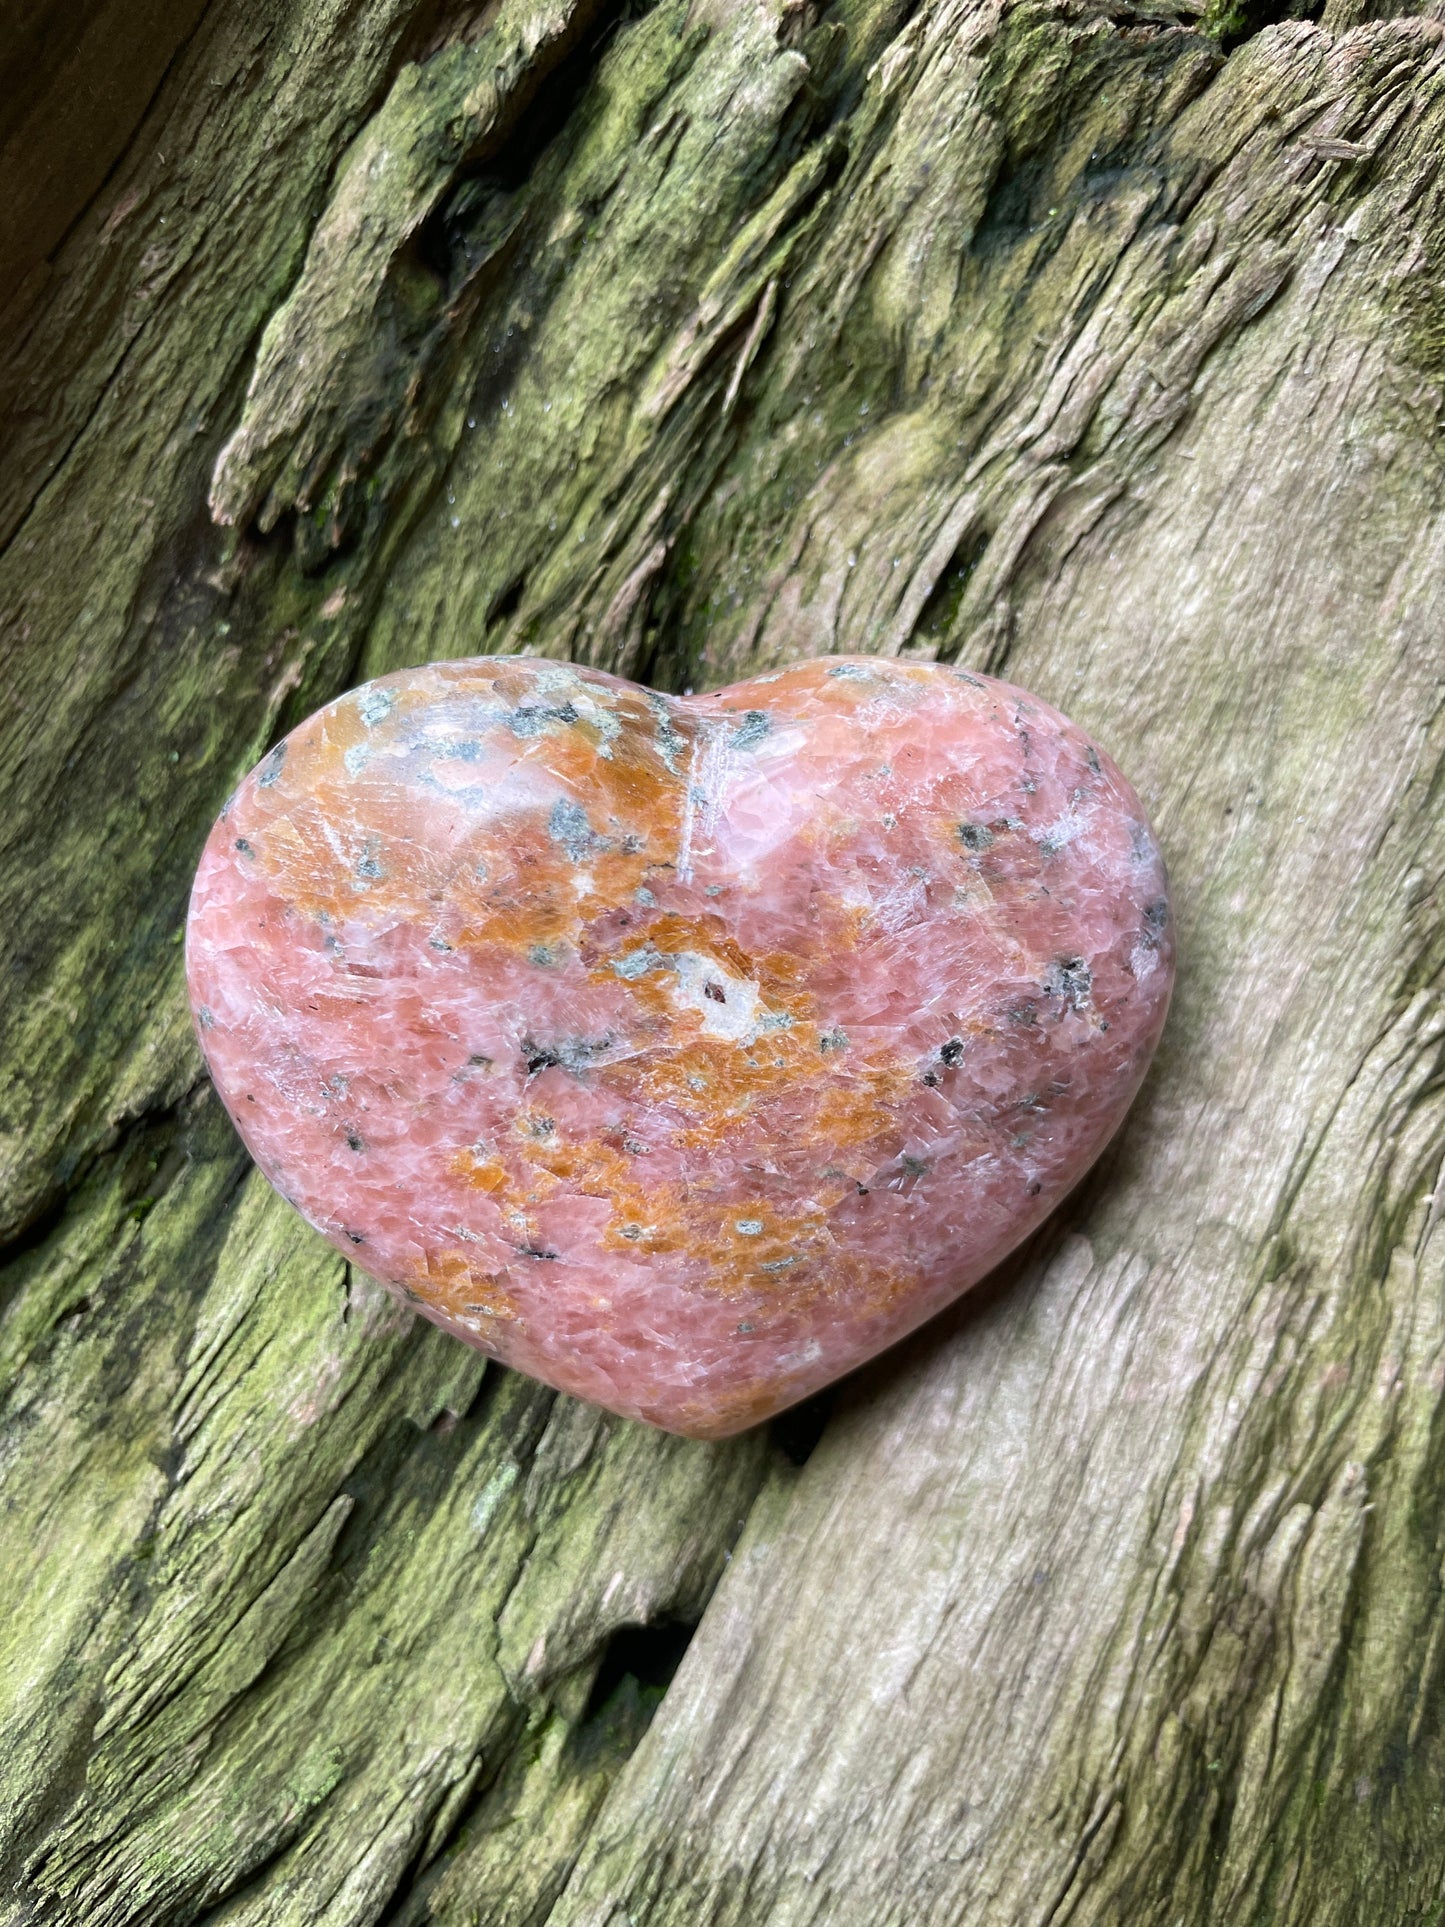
pixel 1103 345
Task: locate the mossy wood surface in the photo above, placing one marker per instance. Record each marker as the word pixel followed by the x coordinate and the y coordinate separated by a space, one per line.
pixel 1100 345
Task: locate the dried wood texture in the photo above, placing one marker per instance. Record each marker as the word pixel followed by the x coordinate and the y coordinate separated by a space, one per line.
pixel 1100 345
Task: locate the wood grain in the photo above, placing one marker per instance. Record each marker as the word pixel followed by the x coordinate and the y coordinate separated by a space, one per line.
pixel 1101 346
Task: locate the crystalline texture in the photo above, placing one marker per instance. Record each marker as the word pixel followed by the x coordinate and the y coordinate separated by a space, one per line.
pixel 681 1052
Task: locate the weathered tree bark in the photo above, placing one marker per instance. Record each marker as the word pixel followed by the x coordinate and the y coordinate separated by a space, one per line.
pixel 1097 343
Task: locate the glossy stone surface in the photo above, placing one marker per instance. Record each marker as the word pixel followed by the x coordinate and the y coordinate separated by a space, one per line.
pixel 680 1052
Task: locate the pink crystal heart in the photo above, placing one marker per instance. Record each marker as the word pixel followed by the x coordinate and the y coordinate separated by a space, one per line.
pixel 681 1052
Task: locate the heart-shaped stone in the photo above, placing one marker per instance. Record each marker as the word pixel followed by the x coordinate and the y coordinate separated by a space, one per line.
pixel 682 1052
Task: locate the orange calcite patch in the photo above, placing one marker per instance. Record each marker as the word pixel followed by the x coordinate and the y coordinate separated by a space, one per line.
pixel 682 1052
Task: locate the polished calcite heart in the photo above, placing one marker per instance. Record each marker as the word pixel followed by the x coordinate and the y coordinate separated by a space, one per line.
pixel 680 1052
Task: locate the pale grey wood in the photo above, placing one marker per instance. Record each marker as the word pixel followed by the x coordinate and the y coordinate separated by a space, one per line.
pixel 1122 1601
